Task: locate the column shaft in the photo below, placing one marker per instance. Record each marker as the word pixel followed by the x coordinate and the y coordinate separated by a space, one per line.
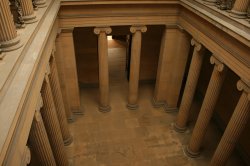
pixel 8 35
pixel 40 143
pixel 234 128
pixel 135 65
pixel 58 99
pixel 52 124
pixel 28 11
pixel 240 9
pixel 207 108
pixel 187 98
pixel 103 67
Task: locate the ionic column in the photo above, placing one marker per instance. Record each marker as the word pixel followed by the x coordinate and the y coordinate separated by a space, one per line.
pixel 240 9
pixel 234 128
pixel 40 3
pixel 187 98
pixel 103 67
pixel 52 124
pixel 135 65
pixel 8 35
pixel 28 11
pixel 207 108
pixel 39 141
pixel 58 99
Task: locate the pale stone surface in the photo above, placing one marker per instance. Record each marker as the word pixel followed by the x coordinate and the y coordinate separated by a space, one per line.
pixel 140 138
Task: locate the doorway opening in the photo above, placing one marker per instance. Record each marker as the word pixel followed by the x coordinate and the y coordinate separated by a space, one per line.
pixel 118 58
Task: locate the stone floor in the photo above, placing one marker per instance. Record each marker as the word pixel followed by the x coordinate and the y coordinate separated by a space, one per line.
pixel 124 137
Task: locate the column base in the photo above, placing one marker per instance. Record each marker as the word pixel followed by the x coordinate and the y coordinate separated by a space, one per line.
pixel 77 111
pixel 70 119
pixel 132 106
pixel 157 104
pixel 237 14
pixel 2 55
pixel 170 109
pixel 104 109
pixel 210 2
pixel 30 19
pixel 179 129
pixel 190 153
pixel 223 7
pixel 20 26
pixel 41 4
pixel 11 45
pixel 68 141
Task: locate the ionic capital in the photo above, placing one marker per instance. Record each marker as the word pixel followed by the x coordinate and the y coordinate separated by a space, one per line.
pixel 47 72
pixel 38 116
pixel 106 30
pixel 39 103
pixel 243 86
pixel 219 65
pixel 198 46
pixel 53 51
pixel 26 156
pixel 135 28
